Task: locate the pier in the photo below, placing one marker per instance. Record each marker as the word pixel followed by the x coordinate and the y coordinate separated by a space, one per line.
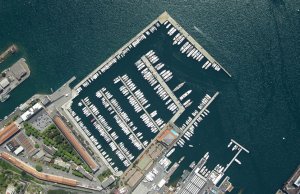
pixel 12 77
pixel 200 112
pixel 133 95
pixel 121 117
pixel 166 17
pixel 240 149
pixel 240 146
pixel 107 133
pixel 166 88
pixel 119 52
pixel 9 51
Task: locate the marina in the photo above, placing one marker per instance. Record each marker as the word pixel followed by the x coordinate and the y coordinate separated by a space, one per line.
pixel 125 102
pixel 265 81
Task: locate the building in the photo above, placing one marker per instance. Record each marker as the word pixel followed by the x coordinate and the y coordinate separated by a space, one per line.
pixel 12 145
pixel 40 175
pixel 84 172
pixel 24 106
pixel 32 111
pixel 46 159
pixel 39 155
pixel 10 189
pixel 19 150
pixel 50 150
pixel 61 163
pixel 168 137
pixel 46 100
pixel 75 143
pixel 108 181
pixel 18 69
pixel 26 143
pixel 297 182
pixel 4 83
pixel 7 132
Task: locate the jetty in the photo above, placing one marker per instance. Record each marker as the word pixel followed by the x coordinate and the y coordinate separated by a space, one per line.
pixel 9 51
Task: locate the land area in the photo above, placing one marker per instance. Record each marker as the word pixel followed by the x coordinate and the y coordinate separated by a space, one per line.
pixel 12 77
pixel 63 139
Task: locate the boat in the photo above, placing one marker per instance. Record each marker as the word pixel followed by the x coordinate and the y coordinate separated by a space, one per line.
pixel 234 147
pixel 191 146
pixel 4 98
pixel 206 155
pixel 183 96
pixel 229 144
pixel 181 159
pixel 170 152
pixel 237 161
pixel 178 86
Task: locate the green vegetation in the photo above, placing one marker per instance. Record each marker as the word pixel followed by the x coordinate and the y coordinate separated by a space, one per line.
pixel 51 136
pixel 39 168
pixel 5 165
pixel 33 102
pixel 31 131
pixel 26 177
pixel 77 173
pixel 59 191
pixel 15 117
pixel 87 168
pixel 12 175
pixel 60 167
pixel 34 188
pixel 104 175
pixel 37 145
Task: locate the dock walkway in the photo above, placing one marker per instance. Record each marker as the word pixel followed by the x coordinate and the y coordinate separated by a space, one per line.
pixel 138 101
pixel 200 112
pixel 166 88
pixel 166 17
pixel 9 51
pixel 121 117
pixel 107 133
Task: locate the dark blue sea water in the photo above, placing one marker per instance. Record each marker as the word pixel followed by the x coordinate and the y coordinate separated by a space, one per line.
pixel 257 41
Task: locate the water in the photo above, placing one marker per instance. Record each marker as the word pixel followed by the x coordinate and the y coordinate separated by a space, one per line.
pixel 258 42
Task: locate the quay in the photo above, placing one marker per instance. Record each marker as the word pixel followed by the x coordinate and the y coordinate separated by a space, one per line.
pixel 166 17
pixel 117 53
pixel 9 51
pixel 107 133
pixel 13 76
pixel 199 113
pixel 138 101
pixel 121 117
pixel 181 109
pixel 292 186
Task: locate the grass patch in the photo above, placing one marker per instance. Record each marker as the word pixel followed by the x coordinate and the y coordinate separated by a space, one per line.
pixel 51 136
pixel 104 175
pixel 77 173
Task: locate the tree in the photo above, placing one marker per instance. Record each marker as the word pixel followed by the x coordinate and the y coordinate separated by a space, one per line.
pixel 39 168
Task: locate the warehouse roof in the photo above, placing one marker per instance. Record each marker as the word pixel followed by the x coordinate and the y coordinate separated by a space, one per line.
pixel 76 144
pixel 7 132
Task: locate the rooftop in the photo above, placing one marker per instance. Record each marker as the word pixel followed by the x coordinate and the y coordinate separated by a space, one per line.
pixel 74 141
pixel 7 132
